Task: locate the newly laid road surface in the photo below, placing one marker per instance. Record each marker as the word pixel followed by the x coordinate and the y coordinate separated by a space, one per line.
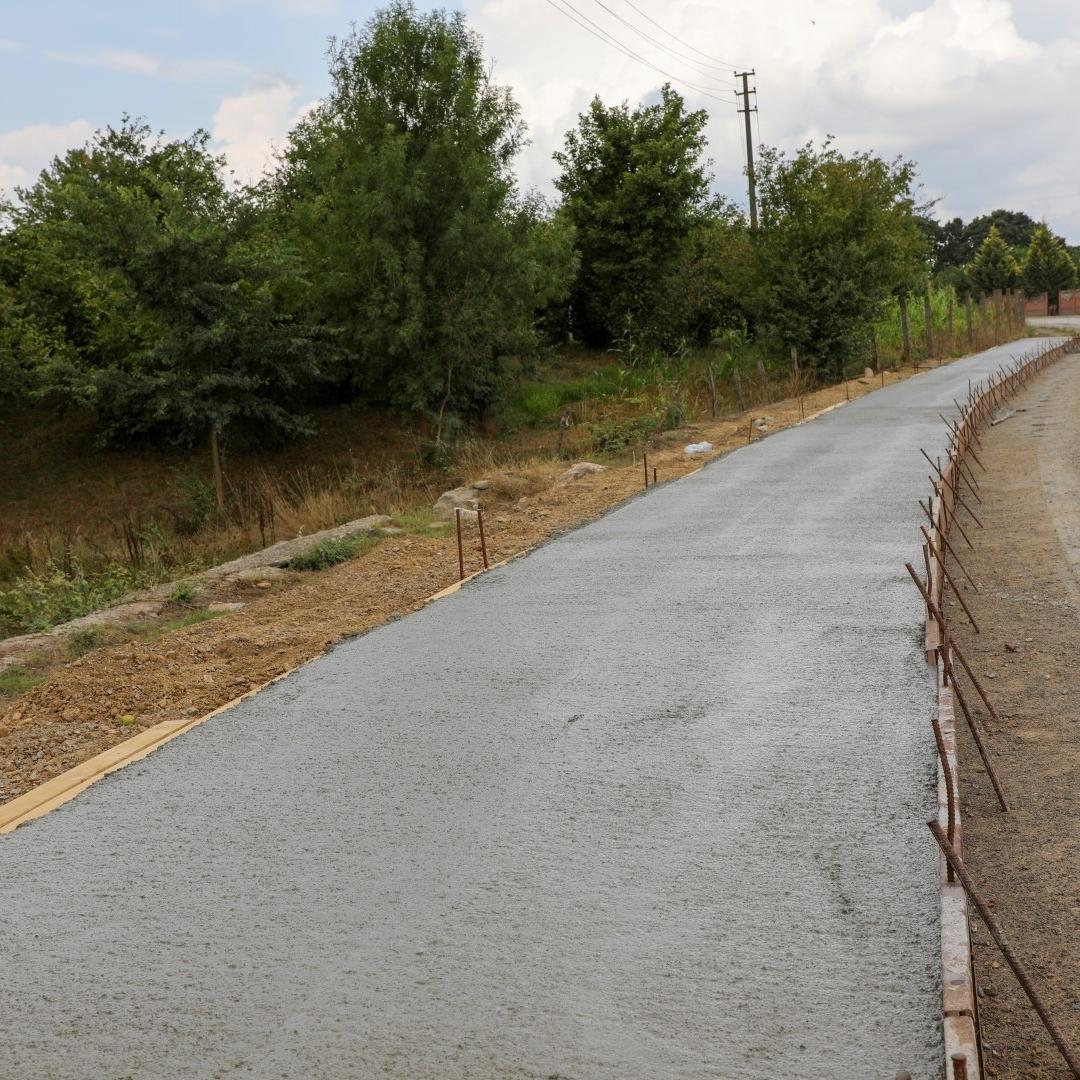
pixel 649 804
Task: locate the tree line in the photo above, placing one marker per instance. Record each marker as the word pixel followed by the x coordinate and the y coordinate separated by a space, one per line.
pixel 391 256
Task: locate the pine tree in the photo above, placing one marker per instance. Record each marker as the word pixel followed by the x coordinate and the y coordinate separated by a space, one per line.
pixel 1047 266
pixel 993 266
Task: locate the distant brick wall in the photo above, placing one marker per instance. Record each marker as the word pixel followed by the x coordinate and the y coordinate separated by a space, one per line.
pixel 1068 303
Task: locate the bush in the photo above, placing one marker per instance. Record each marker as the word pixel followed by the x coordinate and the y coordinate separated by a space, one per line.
pixel 183 593
pixel 35 602
pixel 82 641
pixel 328 553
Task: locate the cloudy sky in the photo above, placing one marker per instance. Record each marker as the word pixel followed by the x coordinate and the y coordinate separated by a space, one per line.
pixel 981 93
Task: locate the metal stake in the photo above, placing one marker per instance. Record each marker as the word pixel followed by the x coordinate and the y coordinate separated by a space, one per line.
pixel 460 549
pixel 483 542
pixel 1018 969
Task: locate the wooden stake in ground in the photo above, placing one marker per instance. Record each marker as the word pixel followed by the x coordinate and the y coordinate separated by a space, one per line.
pixel 215 464
pixel 952 857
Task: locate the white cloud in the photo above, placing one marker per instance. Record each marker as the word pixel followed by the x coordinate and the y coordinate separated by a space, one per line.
pixel 954 84
pixel 133 62
pixel 25 152
pixel 250 126
pixel 9 46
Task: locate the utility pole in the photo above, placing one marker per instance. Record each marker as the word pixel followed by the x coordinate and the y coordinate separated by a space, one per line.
pixel 746 111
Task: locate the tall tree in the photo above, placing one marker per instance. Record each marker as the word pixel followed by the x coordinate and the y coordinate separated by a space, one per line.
pixel 994 266
pixel 839 235
pixel 634 185
pixel 1047 267
pixel 164 292
pixel 1013 226
pixel 399 190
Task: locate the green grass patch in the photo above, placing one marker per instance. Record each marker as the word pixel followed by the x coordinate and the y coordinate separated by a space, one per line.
pixel 327 553
pixel 538 404
pixel 17 680
pixel 148 631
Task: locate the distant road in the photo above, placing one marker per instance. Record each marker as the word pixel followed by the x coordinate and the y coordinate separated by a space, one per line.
pixel 649 803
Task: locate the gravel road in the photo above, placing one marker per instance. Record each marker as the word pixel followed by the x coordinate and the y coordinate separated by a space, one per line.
pixel 649 803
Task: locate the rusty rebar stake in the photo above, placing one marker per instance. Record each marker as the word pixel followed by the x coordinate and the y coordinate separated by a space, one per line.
pixel 935 613
pixel 460 548
pixel 948 577
pixel 483 542
pixel 950 794
pixel 952 514
pixel 952 857
pixel 645 462
pixel 948 547
pixel 978 685
pixel 975 733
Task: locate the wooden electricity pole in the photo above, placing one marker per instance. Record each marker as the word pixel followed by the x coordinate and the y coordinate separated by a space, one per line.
pixel 746 111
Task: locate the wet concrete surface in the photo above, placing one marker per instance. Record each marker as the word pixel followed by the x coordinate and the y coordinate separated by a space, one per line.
pixel 649 803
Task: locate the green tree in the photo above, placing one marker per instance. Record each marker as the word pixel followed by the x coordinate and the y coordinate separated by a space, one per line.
pixel 634 185
pixel 1047 267
pixel 1013 226
pixel 166 294
pixel 994 266
pixel 839 235
pixel 423 260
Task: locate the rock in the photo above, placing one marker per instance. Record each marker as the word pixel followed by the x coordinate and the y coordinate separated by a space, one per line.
pixel 698 448
pixel 449 501
pixel 583 468
pixel 481 485
pixel 762 424
pixel 1010 648
pixel 261 575
pixel 868 373
pixel 263 585
pixel 221 607
pixel 390 530
pixel 71 715
pixel 284 551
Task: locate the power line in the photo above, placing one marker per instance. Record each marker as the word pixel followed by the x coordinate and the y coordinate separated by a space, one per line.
pixel 599 32
pixel 685 44
pixel 660 45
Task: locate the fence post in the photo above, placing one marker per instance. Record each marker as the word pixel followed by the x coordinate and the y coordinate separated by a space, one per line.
pixel 969 317
pixel 928 319
pixel 905 327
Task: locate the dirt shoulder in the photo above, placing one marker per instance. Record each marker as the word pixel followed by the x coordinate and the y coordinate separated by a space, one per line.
pixel 1027 563
pixel 106 696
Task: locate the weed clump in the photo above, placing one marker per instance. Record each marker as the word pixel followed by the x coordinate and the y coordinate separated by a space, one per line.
pixel 329 553
pixel 82 641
